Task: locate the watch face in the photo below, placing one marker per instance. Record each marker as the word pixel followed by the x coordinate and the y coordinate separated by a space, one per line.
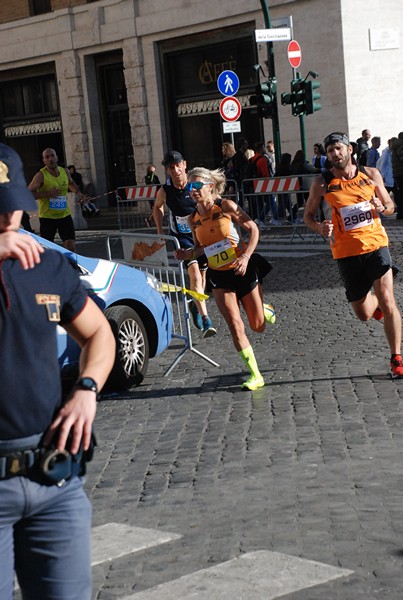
pixel 87 383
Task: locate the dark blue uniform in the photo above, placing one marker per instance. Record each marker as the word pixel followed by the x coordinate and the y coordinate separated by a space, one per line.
pixel 44 529
pixel 32 304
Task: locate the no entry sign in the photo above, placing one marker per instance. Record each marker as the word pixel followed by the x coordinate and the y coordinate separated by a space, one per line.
pixel 294 54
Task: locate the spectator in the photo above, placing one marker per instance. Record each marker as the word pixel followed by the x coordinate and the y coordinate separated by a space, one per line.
pixel 283 169
pixel 87 206
pixel 151 178
pixel 372 153
pixel 227 166
pixel 240 165
pixel 76 177
pixel 363 146
pixel 397 166
pixel 384 165
pixel 319 156
pixel 260 205
pixel 228 152
pixel 353 156
pixel 300 166
pixel 271 155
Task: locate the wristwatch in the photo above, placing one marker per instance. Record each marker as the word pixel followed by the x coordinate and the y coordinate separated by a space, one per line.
pixel 87 383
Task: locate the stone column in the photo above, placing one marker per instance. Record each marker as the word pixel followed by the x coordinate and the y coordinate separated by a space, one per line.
pixel 73 116
pixel 137 100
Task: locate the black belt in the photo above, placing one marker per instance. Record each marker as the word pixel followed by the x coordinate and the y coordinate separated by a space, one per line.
pixel 19 463
pixel 20 455
pixel 52 465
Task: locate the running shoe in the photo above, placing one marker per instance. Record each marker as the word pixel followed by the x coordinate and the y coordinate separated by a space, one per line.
pixel 396 367
pixel 253 383
pixel 269 313
pixel 196 316
pixel 208 329
pixel 378 314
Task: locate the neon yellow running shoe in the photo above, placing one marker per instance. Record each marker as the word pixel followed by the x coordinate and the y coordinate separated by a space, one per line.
pixel 253 383
pixel 269 313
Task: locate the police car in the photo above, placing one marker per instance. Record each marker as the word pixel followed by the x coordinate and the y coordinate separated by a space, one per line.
pixel 139 313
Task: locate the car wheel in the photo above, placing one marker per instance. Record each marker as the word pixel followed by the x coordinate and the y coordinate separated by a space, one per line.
pixel 132 348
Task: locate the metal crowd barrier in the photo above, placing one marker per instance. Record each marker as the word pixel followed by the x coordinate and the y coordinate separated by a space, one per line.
pixel 154 254
pixel 135 205
pixel 231 191
pixel 283 198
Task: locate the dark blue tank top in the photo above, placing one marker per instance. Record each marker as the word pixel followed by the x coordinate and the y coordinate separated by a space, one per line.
pixel 181 205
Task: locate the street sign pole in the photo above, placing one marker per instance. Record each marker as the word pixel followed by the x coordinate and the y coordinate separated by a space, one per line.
pixel 295 57
pixel 272 73
pixel 228 85
pixel 302 133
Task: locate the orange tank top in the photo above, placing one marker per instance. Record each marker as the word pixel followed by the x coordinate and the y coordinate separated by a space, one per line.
pixel 217 233
pixel 357 226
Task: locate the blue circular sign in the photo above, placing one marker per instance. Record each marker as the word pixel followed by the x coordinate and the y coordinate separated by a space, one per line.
pixel 228 83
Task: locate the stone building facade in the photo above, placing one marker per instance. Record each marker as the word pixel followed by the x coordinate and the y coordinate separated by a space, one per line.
pixel 111 84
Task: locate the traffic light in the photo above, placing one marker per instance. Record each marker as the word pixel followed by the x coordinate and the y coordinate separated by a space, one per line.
pixel 311 97
pixel 264 98
pixel 297 97
pixel 298 88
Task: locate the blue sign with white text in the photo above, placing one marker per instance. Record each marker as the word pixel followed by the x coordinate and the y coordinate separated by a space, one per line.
pixel 228 83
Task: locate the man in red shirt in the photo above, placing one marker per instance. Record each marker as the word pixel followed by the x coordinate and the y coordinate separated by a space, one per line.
pixel 260 167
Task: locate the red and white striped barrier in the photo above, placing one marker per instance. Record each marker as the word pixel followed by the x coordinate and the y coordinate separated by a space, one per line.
pixel 141 192
pixel 277 184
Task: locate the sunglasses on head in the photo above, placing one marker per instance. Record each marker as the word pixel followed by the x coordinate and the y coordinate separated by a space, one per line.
pixel 196 185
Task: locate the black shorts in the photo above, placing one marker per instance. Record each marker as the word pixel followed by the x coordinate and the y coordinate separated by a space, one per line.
pixel 258 267
pixel 359 272
pixel 65 227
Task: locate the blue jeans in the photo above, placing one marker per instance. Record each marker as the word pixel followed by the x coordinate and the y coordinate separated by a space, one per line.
pixel 270 203
pixel 45 537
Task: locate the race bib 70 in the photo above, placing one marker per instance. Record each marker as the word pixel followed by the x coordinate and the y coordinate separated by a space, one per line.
pixel 220 254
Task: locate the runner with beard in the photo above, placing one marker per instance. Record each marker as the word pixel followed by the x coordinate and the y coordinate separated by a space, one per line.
pixel 357 197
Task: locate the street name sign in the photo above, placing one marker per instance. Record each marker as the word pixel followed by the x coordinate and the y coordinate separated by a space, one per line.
pixel 282 34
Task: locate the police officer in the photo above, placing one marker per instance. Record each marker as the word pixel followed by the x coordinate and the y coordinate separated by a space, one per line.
pixel 176 196
pixel 45 516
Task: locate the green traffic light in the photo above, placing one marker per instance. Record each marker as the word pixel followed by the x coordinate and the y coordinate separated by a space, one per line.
pixel 264 98
pixel 287 98
pixel 311 97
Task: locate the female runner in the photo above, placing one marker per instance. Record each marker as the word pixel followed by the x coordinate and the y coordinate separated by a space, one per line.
pixel 235 273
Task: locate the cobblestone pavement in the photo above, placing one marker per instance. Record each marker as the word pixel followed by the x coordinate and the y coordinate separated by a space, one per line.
pixel 309 466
